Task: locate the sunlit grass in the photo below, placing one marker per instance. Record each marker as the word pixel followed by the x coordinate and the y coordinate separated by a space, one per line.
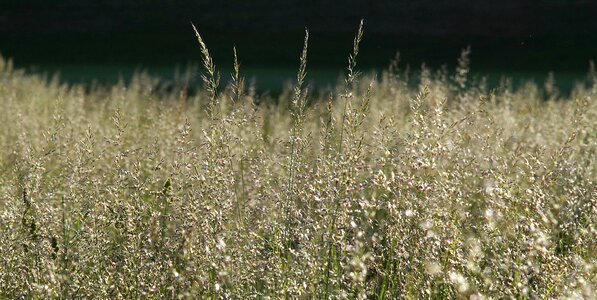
pixel 376 189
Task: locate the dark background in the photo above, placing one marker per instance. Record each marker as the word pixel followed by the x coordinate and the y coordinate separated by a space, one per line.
pixel 104 39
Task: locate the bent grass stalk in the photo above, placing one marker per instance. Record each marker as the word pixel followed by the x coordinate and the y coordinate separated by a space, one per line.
pixel 212 78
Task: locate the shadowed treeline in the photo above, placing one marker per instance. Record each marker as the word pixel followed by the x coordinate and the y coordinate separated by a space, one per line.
pixel 158 31
pixel 505 36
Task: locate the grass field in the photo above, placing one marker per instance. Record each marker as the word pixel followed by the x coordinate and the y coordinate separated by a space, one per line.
pixel 376 189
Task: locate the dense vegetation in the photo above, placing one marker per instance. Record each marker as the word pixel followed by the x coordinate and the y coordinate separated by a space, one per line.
pixel 375 189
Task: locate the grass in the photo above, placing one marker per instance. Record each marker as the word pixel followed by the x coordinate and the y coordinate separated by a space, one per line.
pixel 376 189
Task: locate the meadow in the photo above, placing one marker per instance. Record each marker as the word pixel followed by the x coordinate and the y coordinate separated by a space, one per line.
pixel 374 189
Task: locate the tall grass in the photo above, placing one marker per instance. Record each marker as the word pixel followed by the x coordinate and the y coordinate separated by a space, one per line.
pixel 374 190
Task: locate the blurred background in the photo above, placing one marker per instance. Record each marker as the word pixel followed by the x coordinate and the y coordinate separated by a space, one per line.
pixel 104 40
